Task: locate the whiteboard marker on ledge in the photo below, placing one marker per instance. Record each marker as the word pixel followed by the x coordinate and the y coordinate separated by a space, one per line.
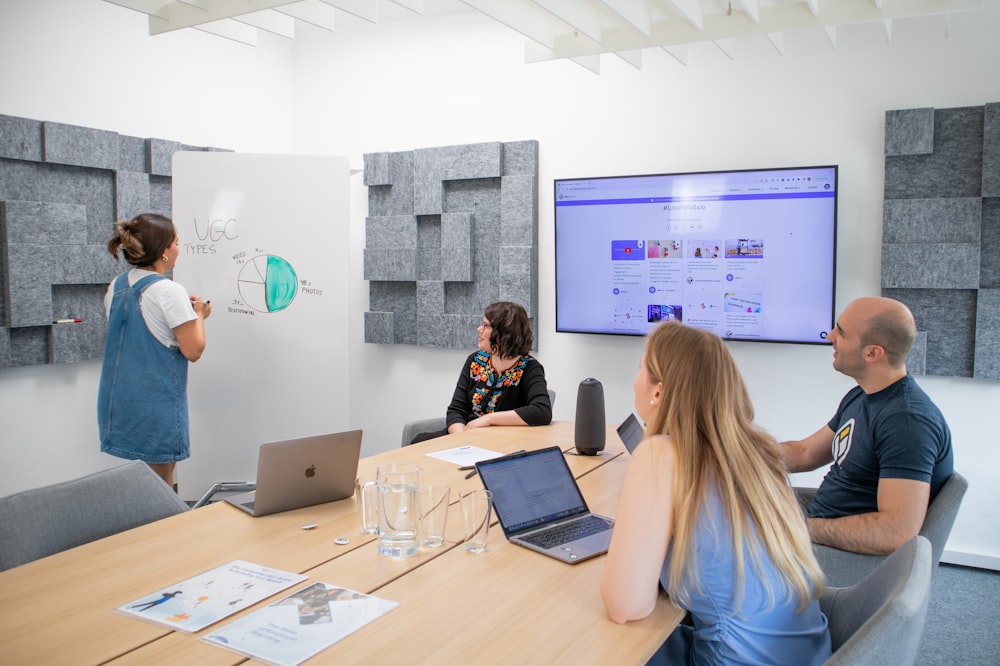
pixel 75 320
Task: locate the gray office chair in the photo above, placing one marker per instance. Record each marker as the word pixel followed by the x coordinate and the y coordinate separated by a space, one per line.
pixel 843 568
pixel 39 522
pixel 880 620
pixel 413 428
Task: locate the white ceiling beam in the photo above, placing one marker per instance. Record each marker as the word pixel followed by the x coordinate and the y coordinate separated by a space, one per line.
pixel 887 24
pixel 947 26
pixel 690 10
pixel 591 62
pixel 575 14
pixel 831 35
pixel 777 40
pixel 230 29
pixel 530 20
pixel 724 48
pixel 270 21
pixel 752 9
pixel 633 58
pixel 678 53
pixel 776 18
pixel 633 12
pixel 415 6
pixel 363 9
pixel 312 12
pixel 181 15
pixel 813 6
pixel 156 8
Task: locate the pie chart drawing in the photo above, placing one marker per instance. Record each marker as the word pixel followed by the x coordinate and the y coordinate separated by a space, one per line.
pixel 268 283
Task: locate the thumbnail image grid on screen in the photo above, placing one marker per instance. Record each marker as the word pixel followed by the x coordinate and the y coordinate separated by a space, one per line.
pixel 748 254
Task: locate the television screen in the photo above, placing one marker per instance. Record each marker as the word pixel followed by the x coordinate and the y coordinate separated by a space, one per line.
pixel 749 254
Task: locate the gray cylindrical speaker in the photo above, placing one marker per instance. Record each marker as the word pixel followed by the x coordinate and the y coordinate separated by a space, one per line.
pixel 590 430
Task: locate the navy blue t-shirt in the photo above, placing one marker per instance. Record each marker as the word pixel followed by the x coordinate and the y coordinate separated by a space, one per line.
pixel 897 433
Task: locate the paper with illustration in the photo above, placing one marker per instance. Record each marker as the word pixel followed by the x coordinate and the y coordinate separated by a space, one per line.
pixel 300 625
pixel 197 602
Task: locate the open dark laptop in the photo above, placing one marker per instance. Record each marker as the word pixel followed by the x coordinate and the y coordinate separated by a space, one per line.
pixel 631 432
pixel 540 507
pixel 301 472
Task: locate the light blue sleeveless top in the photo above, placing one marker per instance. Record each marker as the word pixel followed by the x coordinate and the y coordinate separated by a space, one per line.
pixel 142 409
pixel 728 630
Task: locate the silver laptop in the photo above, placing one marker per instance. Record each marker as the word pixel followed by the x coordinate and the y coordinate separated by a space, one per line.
pixel 631 432
pixel 539 505
pixel 301 472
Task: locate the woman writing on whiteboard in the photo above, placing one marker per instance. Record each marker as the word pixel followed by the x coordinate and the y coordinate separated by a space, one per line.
pixel 154 330
pixel 500 384
pixel 707 513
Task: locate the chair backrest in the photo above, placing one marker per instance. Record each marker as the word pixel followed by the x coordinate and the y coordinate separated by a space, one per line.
pixel 941 514
pixel 880 620
pixel 413 428
pixel 42 521
pixel 844 568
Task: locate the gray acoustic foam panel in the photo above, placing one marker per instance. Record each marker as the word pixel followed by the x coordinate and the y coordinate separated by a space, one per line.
pixel 61 189
pixel 941 235
pixel 987 360
pixel 909 132
pixel 450 230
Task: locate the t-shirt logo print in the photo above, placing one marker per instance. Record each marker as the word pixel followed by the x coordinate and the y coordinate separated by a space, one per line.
pixel 842 442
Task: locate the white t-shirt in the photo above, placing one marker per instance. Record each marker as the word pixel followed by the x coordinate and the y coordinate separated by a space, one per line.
pixel 165 305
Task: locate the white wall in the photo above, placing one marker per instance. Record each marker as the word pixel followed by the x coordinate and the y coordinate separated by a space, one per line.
pixel 92 64
pixel 458 79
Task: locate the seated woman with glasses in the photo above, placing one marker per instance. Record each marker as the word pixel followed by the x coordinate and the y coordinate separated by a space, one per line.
pixel 500 384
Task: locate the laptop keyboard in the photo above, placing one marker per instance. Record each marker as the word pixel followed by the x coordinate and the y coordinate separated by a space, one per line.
pixel 249 505
pixel 560 534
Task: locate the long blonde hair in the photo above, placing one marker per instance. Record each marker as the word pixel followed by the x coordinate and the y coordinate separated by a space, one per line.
pixel 706 411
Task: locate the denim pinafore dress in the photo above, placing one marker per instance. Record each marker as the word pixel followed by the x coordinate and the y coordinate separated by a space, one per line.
pixel 142 410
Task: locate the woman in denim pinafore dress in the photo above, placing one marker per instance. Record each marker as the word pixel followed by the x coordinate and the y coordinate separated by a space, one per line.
pixel 154 330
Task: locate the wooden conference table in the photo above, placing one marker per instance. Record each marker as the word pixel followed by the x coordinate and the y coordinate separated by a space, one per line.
pixel 507 605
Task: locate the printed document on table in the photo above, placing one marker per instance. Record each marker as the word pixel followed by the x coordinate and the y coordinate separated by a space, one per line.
pixel 195 603
pixel 465 455
pixel 299 626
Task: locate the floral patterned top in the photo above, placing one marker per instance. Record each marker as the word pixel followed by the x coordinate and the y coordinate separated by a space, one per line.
pixel 482 390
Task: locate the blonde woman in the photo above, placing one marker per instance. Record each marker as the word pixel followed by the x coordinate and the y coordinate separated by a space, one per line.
pixel 706 511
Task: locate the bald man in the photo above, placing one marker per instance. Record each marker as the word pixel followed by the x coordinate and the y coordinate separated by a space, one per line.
pixel 888 442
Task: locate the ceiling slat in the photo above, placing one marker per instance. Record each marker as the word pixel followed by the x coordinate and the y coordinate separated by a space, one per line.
pixel 182 15
pixel 579 30
pixel 230 29
pixel 528 19
pixel 313 12
pixel 777 18
pixel 577 15
pixel 633 58
pixel 634 12
pixel 363 9
pixel 415 6
pixel 270 21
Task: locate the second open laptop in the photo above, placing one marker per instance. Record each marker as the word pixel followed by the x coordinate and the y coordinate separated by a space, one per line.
pixel 301 472
pixel 631 432
pixel 540 506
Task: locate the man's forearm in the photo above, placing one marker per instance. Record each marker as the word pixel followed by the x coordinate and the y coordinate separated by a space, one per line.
pixel 868 533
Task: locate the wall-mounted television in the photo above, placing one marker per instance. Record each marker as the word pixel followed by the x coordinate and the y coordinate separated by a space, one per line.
pixel 748 254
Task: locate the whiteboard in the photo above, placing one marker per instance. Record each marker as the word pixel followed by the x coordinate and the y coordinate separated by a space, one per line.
pixel 265 239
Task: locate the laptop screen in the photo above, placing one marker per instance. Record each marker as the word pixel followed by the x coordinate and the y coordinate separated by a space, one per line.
pixel 631 432
pixel 532 488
